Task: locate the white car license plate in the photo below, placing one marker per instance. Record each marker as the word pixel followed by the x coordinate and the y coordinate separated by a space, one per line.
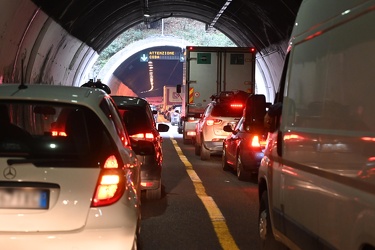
pixel 24 198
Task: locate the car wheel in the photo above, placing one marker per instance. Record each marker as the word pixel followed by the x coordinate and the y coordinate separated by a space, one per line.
pixel 267 239
pixel 153 194
pixel 224 163
pixel 241 175
pixel 205 153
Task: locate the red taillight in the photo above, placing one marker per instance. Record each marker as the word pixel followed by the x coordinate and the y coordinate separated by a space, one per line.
pixel 110 186
pixel 143 136
pixel 213 122
pixel 111 162
pixel 258 142
pixel 255 142
pixel 236 105
pixel 58 133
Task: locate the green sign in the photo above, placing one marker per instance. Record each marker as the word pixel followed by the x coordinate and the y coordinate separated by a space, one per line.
pixel 204 58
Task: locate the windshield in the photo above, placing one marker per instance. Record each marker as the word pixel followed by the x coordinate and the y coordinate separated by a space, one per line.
pixel 45 130
pixel 136 119
pixel 226 110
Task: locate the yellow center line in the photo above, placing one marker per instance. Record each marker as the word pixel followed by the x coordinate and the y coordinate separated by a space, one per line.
pixel 217 219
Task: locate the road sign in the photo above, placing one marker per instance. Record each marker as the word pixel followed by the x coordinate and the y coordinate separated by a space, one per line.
pixel 144 58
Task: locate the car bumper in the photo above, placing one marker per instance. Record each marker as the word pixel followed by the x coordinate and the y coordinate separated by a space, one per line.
pixel 119 238
pixel 150 172
pixel 251 161
pixel 214 145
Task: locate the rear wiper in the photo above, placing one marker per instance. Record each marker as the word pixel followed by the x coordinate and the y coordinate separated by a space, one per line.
pixel 38 161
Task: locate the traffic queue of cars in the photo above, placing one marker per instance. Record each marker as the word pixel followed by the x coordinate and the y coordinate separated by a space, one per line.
pixel 222 129
pixel 145 140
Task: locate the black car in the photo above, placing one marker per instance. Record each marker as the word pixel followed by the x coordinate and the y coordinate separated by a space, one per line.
pixel 145 140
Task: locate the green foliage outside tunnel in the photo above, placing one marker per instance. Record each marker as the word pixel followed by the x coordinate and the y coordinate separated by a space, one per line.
pixel 182 28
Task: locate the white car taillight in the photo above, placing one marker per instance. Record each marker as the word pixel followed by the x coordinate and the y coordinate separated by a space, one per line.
pixel 110 186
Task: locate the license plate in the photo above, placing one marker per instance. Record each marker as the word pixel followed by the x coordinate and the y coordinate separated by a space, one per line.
pixel 24 198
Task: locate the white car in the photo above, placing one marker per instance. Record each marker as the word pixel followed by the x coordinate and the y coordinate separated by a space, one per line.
pixel 68 176
pixel 225 108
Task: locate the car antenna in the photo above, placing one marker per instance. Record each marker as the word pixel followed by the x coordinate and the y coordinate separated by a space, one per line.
pixel 22 85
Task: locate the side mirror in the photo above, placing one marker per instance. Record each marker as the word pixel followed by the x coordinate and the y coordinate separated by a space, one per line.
pixel 255 111
pixel 228 128
pixel 161 127
pixel 272 118
pixel 178 88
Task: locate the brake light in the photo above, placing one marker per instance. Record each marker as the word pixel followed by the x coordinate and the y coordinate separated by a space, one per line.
pixel 213 122
pixel 236 105
pixel 255 142
pixel 110 186
pixel 143 136
pixel 111 162
pixel 58 133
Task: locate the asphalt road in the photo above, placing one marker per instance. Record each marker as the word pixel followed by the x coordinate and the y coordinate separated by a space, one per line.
pixel 202 206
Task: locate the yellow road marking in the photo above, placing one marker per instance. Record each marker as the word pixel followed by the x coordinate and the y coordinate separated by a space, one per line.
pixel 217 219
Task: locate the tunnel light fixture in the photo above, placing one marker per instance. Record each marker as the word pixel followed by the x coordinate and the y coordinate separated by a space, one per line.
pixel 146 12
pixel 226 4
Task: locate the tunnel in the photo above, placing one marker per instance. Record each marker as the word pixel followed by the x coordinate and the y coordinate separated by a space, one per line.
pixel 58 42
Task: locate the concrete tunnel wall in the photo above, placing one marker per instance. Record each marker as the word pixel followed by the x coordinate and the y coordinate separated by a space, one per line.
pixel 52 56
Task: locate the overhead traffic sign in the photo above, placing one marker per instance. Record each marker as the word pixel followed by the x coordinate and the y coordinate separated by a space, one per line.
pixel 162 55
pixel 144 58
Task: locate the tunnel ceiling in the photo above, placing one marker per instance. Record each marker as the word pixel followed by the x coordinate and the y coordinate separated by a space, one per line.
pixel 259 23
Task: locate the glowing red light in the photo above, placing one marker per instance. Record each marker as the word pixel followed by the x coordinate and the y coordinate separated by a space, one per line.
pixel 236 105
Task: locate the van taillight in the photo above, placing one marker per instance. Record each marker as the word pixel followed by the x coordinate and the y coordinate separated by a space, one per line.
pixel 110 186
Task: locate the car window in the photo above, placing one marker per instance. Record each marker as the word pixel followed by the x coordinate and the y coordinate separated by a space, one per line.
pixel 136 119
pixel 112 113
pixel 239 125
pixel 52 130
pixel 226 110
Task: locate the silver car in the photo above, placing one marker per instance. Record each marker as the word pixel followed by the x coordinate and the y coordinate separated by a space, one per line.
pixel 225 108
pixel 68 176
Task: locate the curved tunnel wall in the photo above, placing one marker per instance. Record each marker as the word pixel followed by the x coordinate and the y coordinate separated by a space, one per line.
pixel 51 55
pixel 48 53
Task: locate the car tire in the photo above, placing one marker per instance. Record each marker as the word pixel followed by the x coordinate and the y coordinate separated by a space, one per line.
pixel 224 163
pixel 267 239
pixel 205 153
pixel 197 148
pixel 241 175
pixel 153 194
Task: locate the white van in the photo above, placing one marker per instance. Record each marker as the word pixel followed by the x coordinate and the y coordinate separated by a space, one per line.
pixel 317 178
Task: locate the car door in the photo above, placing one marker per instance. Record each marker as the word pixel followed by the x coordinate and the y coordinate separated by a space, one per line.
pixel 233 142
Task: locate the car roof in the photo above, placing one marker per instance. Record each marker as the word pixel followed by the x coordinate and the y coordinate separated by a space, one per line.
pixel 53 93
pixel 125 101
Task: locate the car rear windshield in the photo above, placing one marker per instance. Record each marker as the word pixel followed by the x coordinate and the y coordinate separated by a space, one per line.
pixel 46 130
pixel 226 110
pixel 136 119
